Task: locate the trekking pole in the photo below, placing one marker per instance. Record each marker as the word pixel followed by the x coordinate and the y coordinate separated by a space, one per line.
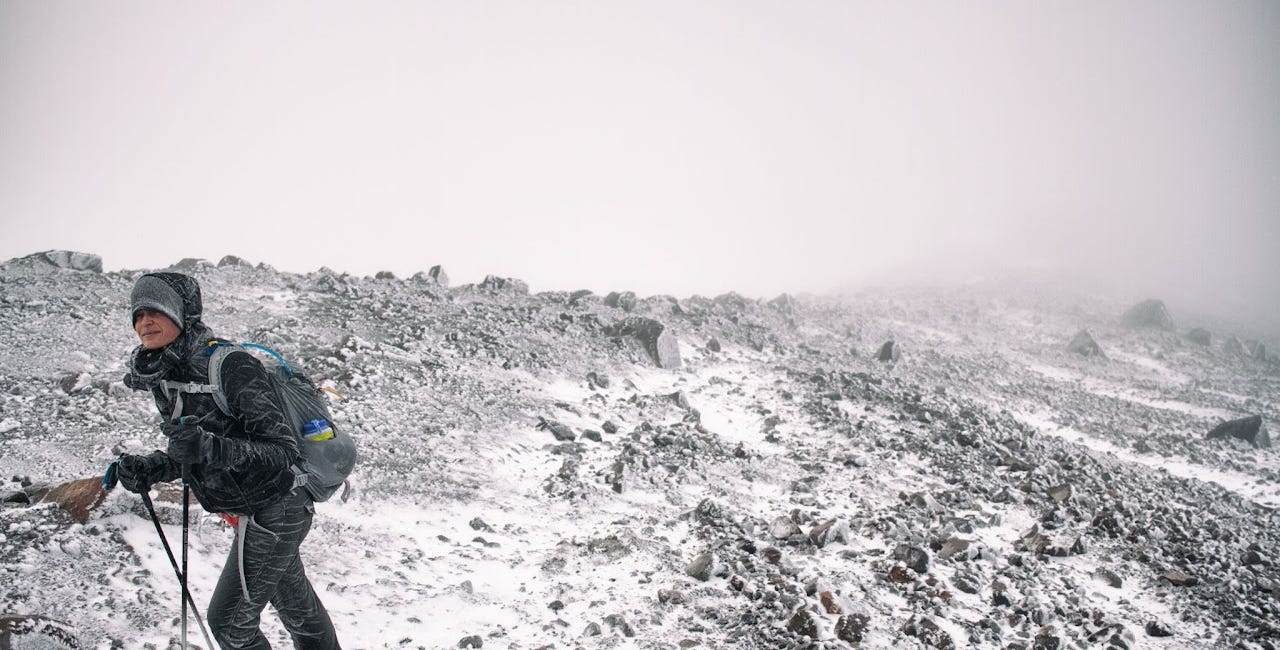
pixel 182 578
pixel 186 507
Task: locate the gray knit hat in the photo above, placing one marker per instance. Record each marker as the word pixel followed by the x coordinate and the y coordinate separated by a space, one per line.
pixel 152 292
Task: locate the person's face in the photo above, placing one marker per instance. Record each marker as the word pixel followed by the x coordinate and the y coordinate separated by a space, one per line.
pixel 154 329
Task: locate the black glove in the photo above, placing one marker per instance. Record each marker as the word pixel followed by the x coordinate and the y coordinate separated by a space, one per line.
pixel 138 473
pixel 188 443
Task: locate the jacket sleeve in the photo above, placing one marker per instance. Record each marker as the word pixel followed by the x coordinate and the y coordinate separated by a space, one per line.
pixel 253 400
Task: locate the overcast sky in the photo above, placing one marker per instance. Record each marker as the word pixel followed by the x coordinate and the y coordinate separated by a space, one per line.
pixel 664 147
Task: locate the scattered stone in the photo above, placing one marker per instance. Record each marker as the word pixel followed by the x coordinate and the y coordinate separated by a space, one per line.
pixel 1157 629
pixel 562 432
pixel 914 557
pixel 852 628
pixel 478 524
pixel 384 275
pixel 592 629
pixel 617 622
pixel 19 631
pixel 473 641
pixel 828 532
pixel 771 554
pixel 670 597
pixel 597 380
pixel 954 546
pixel 609 427
pixel 1179 579
pixel 803 623
pixel 783 528
pixel 1111 578
pixel 928 633
pixel 700 567
pixel 1250 429
pixel 1060 493
pixel 713 345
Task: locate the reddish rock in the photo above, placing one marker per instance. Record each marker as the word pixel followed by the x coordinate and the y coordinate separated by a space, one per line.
pixel 78 497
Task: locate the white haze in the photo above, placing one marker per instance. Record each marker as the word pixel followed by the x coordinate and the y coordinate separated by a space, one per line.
pixel 662 147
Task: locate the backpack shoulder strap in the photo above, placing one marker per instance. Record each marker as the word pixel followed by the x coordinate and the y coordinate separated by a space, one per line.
pixel 217 349
pixel 217 354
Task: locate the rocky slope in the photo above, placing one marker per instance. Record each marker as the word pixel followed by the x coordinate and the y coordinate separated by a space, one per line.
pixel 573 470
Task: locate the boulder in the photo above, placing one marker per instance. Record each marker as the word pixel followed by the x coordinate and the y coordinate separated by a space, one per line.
pixel 625 300
pixel 437 275
pixel 1148 313
pixel 1233 347
pixel 495 283
pixel 1083 344
pixel 1200 335
pixel 69 260
pixel 1250 429
pixel 784 303
pixel 190 264
pixel 890 352
pixel 77 497
pixel 657 340
pixel 232 260
pixel 384 275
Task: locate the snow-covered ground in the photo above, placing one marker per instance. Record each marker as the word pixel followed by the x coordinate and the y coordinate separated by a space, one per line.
pixel 780 489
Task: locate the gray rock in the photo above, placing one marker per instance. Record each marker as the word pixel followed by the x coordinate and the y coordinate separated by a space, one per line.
pixel 803 623
pixel 1232 346
pixel 494 283
pixel 69 260
pixel 1084 344
pixel 562 432
pixel 1148 313
pixel 700 567
pixel 473 641
pixel 232 260
pixel 625 300
pixel 890 352
pixel 1200 336
pixel 914 557
pixel 1250 429
pixel 437 275
pixel 657 340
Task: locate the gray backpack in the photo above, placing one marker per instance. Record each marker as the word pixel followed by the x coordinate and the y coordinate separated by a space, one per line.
pixel 327 453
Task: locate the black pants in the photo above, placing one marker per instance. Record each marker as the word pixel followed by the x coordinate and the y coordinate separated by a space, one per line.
pixel 273 573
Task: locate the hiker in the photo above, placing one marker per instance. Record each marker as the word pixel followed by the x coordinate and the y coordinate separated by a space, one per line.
pixel 240 465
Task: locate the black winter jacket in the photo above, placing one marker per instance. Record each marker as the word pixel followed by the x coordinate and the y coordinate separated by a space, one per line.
pixel 259 445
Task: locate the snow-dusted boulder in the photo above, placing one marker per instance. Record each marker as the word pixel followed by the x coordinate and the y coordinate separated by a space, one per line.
pixel 1084 344
pixel 656 338
pixel 1200 336
pixel 1148 313
pixel 69 260
pixel 1250 429
pixel 890 352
